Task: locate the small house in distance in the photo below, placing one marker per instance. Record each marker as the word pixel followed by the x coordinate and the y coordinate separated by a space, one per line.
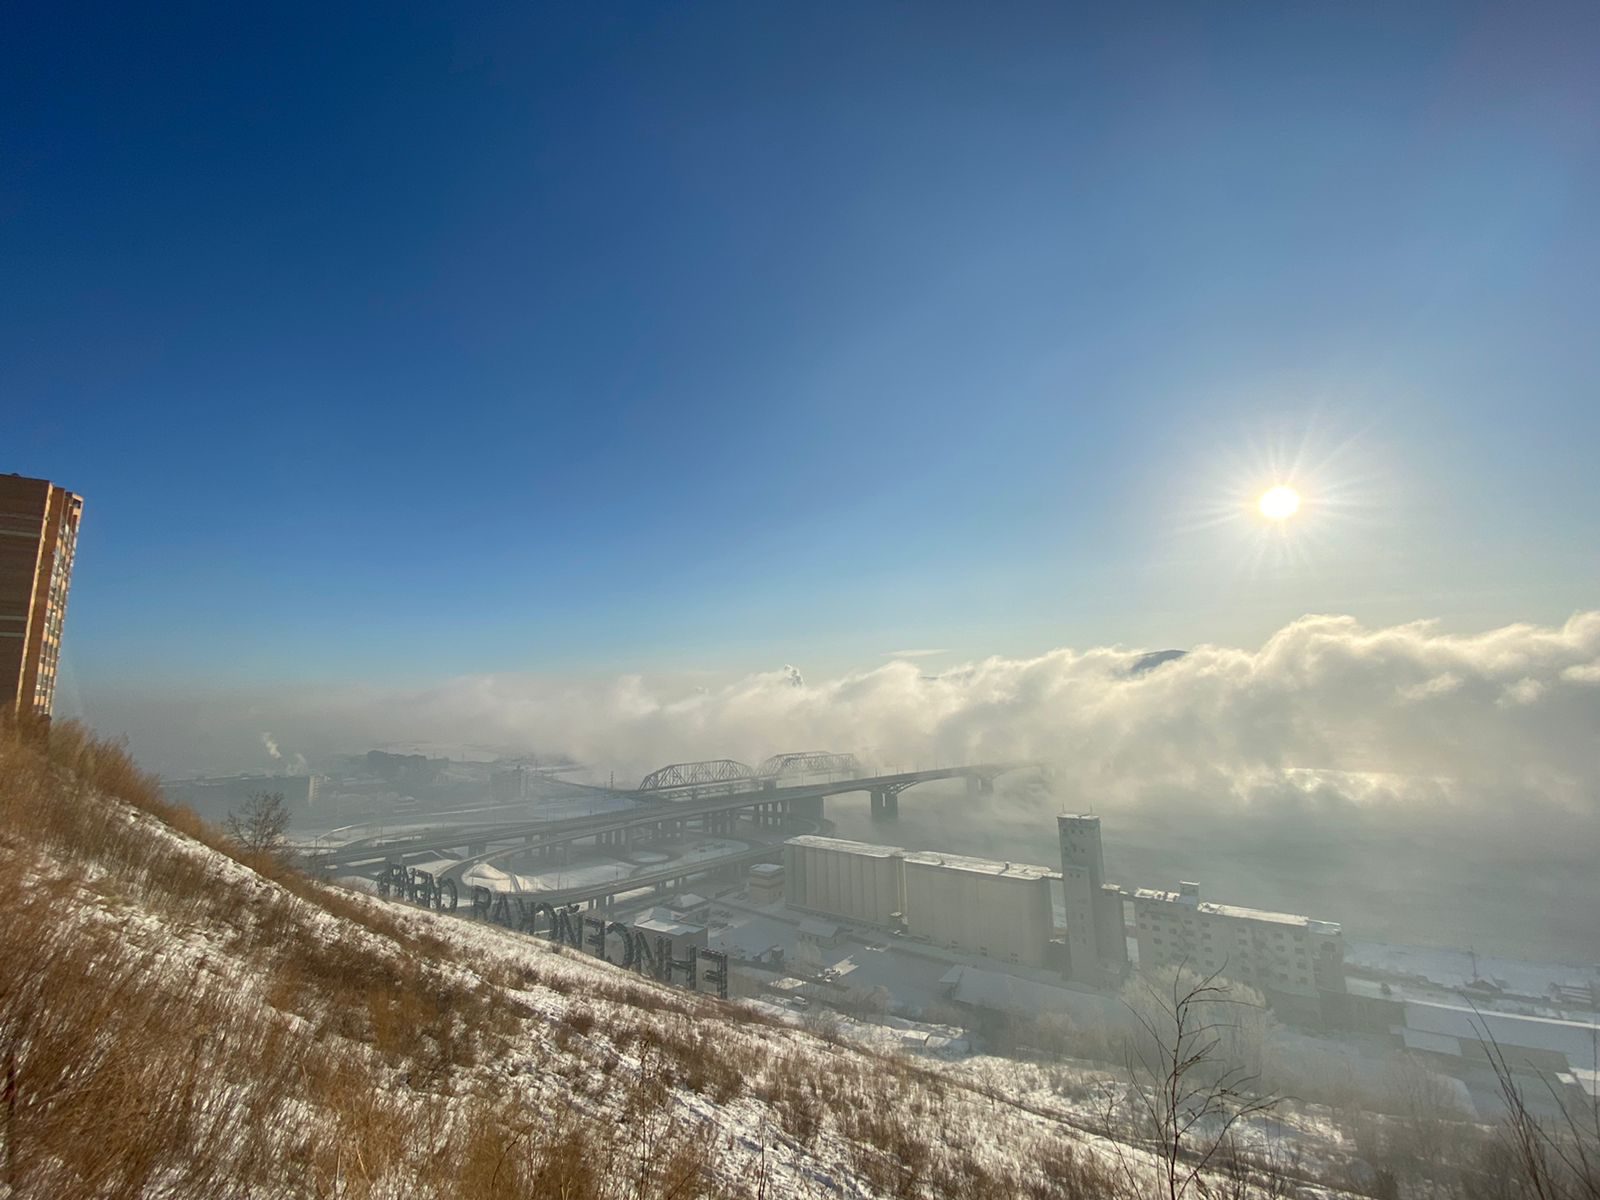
pixel 663 922
pixel 765 884
pixel 691 908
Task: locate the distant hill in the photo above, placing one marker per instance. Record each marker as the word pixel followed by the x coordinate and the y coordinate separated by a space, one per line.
pixel 1146 663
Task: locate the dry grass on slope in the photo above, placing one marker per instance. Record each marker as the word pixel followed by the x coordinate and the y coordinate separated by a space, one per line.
pixel 176 1021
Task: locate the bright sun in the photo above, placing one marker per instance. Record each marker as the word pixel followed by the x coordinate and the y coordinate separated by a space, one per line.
pixel 1279 503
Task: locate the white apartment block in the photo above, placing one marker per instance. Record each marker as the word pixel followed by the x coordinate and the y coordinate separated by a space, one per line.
pixel 1291 959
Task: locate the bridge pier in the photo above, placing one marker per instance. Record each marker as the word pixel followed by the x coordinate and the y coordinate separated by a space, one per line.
pixel 885 804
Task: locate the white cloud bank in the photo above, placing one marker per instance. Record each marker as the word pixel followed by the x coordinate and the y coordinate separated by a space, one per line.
pixel 1516 707
pixel 1478 752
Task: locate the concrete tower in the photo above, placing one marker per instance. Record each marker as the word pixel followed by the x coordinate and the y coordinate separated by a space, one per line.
pixel 1096 947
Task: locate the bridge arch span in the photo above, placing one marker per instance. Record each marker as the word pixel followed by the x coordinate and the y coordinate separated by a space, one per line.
pixel 809 762
pixel 693 774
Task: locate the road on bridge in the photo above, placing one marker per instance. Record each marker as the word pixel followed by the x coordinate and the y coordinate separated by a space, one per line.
pixel 533 835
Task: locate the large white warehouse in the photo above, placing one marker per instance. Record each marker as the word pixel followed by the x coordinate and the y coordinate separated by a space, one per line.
pixel 855 881
pixel 999 910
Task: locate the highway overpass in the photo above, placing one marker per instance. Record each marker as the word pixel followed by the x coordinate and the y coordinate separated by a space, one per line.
pixel 653 815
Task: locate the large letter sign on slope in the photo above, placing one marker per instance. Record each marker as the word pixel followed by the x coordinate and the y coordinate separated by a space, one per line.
pixel 649 954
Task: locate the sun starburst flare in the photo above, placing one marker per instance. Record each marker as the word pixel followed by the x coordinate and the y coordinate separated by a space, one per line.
pixel 1279 503
pixel 1275 503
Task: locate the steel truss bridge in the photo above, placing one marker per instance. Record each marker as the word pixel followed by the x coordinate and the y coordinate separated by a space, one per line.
pixel 720 772
pixel 755 801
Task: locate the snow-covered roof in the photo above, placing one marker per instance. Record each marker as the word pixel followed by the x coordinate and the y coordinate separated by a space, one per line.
pixel 1582 1077
pixel 811 927
pixel 844 846
pixel 1417 1039
pixel 980 866
pixel 767 870
pixel 1238 911
pixel 659 920
pixel 690 900
pixel 1574 1039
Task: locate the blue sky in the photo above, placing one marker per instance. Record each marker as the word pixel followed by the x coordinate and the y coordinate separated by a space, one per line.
pixel 399 342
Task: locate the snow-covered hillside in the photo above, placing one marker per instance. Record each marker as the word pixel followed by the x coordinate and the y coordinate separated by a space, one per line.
pixel 181 1023
pixel 179 1020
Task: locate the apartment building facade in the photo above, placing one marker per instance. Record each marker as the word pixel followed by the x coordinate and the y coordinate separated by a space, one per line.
pixel 1295 961
pixel 38 542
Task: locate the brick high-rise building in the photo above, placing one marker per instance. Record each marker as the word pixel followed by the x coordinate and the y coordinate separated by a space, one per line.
pixel 38 535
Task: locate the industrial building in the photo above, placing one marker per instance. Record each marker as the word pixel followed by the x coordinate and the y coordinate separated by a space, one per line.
pixel 1000 910
pixel 854 881
pixel 765 884
pixel 38 539
pixel 1296 962
pixel 510 785
pixel 1097 944
pixel 690 907
pixel 1555 1048
pixel 1004 911
pixel 663 922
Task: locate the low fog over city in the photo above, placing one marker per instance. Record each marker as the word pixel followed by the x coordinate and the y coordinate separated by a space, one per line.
pixel 727 602
pixel 1421 785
